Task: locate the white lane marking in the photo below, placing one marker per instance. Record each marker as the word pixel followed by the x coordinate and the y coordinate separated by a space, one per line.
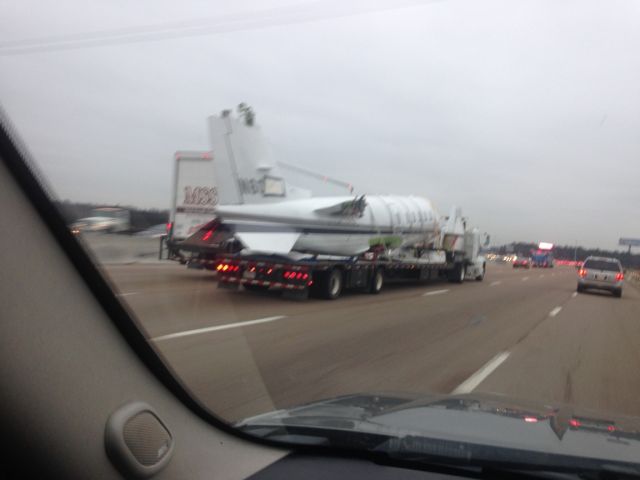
pixel 524 279
pixel 555 311
pixel 476 379
pixel 435 292
pixel 126 294
pixel 574 294
pixel 217 328
pixel 497 282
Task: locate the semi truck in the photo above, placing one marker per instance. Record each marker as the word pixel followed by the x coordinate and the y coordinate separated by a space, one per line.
pixel 542 258
pixel 455 256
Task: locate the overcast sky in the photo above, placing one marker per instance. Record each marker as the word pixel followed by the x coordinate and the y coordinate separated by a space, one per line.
pixel 524 113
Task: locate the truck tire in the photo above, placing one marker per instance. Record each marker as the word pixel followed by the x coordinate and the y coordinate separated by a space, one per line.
pixel 377 281
pixel 480 277
pixel 617 293
pixel 456 274
pixel 331 284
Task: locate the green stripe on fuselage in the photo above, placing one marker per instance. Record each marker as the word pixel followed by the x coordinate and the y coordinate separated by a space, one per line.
pixel 390 241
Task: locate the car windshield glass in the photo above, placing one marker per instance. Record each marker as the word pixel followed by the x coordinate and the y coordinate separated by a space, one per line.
pixel 601 265
pixel 307 204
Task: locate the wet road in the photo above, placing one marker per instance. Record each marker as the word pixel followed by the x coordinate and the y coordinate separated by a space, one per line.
pixel 522 333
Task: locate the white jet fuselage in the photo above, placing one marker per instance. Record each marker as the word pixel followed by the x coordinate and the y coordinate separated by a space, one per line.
pixel 333 225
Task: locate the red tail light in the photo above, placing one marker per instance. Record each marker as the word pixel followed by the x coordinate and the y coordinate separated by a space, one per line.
pixel 226 267
pixel 574 423
pixel 582 272
pixel 207 235
pixel 291 275
pixel 619 276
pixel 169 225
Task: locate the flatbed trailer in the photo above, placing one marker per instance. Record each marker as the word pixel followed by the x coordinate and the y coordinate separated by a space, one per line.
pixel 328 277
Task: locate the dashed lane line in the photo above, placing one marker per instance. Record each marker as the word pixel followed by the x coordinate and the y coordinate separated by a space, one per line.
pixel 197 331
pixel 435 292
pixel 476 379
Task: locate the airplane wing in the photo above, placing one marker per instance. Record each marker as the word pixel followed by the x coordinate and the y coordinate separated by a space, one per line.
pixel 273 242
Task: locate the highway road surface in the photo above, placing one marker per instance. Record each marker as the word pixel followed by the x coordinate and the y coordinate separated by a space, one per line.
pixel 522 333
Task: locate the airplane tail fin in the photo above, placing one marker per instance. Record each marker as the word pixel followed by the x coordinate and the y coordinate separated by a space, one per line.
pixel 244 168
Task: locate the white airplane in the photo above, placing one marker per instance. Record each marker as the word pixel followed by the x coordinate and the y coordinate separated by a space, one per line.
pixel 345 226
pixel 262 212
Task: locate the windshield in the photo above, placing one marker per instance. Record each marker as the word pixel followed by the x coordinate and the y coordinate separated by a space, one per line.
pixel 317 202
pixel 602 265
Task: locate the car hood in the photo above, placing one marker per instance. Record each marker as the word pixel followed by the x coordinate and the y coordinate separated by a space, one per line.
pixel 493 421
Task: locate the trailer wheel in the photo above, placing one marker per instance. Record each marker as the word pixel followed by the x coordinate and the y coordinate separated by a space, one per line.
pixel 456 275
pixel 377 281
pixel 331 284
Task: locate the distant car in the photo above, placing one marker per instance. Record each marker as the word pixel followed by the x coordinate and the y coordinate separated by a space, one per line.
pixel 103 219
pixel 522 262
pixel 601 273
pixel 93 224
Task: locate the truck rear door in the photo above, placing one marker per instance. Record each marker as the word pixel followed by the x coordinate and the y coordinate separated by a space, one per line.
pixel 195 193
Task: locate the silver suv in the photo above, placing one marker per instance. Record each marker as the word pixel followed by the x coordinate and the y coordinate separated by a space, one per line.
pixel 601 273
